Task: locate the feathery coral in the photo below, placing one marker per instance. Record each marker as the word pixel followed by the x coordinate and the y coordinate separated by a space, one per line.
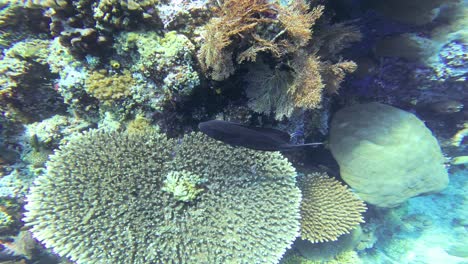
pixel 297 21
pixel 235 19
pixel 143 198
pixel 328 208
pixel 334 74
pixel 306 90
pixel 267 90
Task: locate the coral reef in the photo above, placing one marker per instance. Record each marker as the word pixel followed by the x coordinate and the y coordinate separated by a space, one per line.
pixel 385 154
pixel 183 185
pixel 328 208
pixel 140 72
pixel 108 88
pixel 141 124
pixel 25 91
pixel 122 190
pixel 162 66
pixel 305 63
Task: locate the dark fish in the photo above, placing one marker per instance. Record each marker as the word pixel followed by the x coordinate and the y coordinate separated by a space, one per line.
pixel 258 138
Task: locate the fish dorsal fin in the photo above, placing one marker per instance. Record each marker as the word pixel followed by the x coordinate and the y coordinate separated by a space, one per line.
pixel 273 133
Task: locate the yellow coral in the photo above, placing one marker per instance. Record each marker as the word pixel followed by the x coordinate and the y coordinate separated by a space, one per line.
pixel 108 88
pixel 298 21
pixel 457 139
pixel 328 209
pixel 334 74
pixel 306 90
pixel 183 185
pixel 140 125
pixel 235 18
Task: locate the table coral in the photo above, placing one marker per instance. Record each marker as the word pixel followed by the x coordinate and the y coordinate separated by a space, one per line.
pixel 116 196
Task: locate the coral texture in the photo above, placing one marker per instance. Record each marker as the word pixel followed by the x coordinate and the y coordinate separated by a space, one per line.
pixel 108 198
pixel 385 154
pixel 328 208
pixel 251 22
pixel 107 88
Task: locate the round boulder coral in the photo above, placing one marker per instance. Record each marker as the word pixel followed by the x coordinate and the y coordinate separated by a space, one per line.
pixel 120 198
pixel 328 208
pixel 385 154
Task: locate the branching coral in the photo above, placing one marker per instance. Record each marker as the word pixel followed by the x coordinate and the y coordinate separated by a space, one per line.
pixel 328 208
pixel 39 3
pixel 123 14
pixel 143 198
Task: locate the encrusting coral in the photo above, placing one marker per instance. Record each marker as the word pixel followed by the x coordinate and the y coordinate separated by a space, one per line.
pixel 108 88
pixel 121 198
pixel 328 208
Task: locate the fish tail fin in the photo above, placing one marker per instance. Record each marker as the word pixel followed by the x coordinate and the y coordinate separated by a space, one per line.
pixel 313 144
pixel 292 147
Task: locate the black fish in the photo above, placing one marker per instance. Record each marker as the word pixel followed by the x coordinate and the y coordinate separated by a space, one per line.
pixel 258 138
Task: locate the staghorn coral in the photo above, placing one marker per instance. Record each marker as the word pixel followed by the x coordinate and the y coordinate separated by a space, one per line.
pixel 328 208
pixel 108 88
pixel 108 204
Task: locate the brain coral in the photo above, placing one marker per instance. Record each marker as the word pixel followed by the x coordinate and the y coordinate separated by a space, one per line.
pixel 328 208
pixel 385 154
pixel 115 198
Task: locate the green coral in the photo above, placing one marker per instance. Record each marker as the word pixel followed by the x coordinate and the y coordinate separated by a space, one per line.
pixel 347 257
pixel 36 50
pixel 183 185
pixel 140 124
pixel 169 59
pixel 108 88
pixel 111 198
pixel 5 219
pixel 18 61
pixel 123 14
